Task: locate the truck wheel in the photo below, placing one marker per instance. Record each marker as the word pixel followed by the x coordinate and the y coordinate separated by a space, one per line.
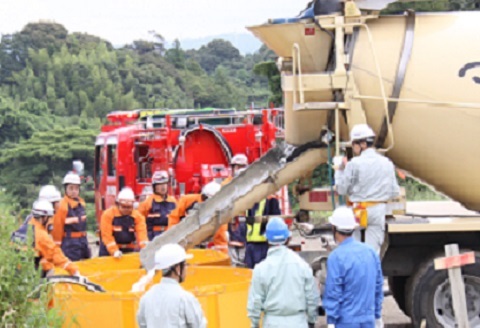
pixel 429 295
pixel 397 287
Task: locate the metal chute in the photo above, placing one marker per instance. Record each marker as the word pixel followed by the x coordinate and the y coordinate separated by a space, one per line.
pixel 278 167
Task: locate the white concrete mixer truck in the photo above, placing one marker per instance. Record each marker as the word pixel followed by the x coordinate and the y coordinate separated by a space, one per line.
pixel 415 79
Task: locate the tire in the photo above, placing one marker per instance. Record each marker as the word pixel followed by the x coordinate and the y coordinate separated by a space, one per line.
pixel 428 295
pixel 397 286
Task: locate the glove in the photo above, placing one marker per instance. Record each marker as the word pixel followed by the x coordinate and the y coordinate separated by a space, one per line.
pixel 339 162
pixel 311 325
pixel 118 254
pixel 250 220
pixel 379 323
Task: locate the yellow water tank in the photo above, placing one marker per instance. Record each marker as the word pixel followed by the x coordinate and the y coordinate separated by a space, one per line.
pixel 221 291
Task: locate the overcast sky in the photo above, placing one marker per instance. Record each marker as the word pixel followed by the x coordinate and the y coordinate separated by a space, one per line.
pixel 121 21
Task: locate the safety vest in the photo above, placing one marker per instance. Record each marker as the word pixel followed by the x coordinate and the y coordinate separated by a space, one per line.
pixel 124 230
pixel 157 219
pixel 254 231
pixel 75 222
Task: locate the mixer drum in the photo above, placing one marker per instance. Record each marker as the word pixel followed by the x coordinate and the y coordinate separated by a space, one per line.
pixel 437 143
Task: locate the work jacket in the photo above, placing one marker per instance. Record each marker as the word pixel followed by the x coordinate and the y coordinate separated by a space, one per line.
pixel 284 289
pixel 168 305
pixel 123 231
pixel 256 231
pixel 354 286
pixel 186 203
pixel 70 220
pixel 369 177
pixel 156 209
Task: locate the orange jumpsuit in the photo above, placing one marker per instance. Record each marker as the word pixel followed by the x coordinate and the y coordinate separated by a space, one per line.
pixel 186 203
pixel 124 232
pixel 155 209
pixel 50 254
pixel 70 228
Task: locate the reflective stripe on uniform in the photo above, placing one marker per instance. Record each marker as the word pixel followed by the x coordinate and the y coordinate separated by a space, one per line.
pixel 71 220
pixel 66 265
pixel 111 244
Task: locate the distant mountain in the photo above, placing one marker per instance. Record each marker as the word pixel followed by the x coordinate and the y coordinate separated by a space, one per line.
pixel 246 43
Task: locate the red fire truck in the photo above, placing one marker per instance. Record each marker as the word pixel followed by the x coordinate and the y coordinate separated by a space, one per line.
pixel 194 146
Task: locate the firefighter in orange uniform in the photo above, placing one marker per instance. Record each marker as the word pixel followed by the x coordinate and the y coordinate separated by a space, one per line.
pixel 70 221
pixel 187 202
pixel 49 255
pixel 122 229
pixel 157 206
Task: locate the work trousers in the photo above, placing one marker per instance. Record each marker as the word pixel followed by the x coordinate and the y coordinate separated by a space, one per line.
pixel 375 231
pixel 255 253
pixel 76 249
pixel 237 256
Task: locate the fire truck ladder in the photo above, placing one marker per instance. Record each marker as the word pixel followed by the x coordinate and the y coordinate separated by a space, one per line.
pixel 278 167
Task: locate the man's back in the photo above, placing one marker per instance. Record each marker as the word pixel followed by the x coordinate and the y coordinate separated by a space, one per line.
pixel 354 287
pixel 283 286
pixel 168 305
pixel 368 177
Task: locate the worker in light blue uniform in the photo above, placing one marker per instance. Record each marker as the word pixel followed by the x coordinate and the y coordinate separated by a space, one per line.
pixel 353 293
pixel 369 181
pixel 283 286
pixel 257 244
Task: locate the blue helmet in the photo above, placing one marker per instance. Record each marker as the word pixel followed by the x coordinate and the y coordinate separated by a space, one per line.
pixel 277 231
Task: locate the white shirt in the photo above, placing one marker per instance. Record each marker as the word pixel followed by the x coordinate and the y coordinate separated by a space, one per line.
pixel 368 177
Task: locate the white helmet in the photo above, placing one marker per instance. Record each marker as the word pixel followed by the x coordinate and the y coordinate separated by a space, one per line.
pixel 42 208
pixel 160 177
pixel 361 132
pixel 239 159
pixel 50 193
pixel 343 219
pixel 71 178
pixel 126 195
pixel 211 189
pixel 170 255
